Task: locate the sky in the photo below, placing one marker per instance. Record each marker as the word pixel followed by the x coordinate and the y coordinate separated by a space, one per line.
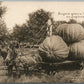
pixel 17 11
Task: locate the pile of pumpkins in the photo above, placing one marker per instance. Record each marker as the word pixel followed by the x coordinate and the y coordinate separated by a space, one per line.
pixel 67 43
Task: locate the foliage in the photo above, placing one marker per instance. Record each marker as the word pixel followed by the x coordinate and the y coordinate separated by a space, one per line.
pixel 72 21
pixel 56 24
pixel 34 30
pixel 18 31
pixel 2 10
pixel 3 28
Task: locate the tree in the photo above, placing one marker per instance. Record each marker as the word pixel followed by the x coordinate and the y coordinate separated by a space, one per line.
pixel 38 25
pixel 19 32
pixel 2 10
pixel 34 30
pixel 72 21
pixel 56 24
pixel 3 28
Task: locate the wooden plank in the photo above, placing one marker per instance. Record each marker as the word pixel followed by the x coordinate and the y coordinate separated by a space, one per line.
pixel 64 62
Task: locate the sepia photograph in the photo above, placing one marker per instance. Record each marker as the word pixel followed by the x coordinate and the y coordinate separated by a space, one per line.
pixel 41 42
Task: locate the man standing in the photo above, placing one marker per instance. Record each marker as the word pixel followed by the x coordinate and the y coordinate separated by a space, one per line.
pixel 49 28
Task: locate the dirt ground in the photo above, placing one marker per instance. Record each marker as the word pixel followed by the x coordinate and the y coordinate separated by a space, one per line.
pixel 65 73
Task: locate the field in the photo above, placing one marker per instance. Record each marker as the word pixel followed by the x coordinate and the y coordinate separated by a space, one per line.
pixel 65 73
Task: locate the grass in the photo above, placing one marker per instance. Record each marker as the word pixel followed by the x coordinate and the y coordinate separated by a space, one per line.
pixel 67 73
pixel 60 77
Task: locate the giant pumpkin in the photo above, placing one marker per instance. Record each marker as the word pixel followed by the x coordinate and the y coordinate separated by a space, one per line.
pixel 70 32
pixel 53 49
pixel 77 51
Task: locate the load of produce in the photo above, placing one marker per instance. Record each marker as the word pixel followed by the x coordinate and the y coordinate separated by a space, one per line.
pixel 70 32
pixel 77 51
pixel 27 60
pixel 53 49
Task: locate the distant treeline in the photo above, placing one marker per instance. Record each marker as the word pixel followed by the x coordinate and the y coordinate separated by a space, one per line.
pixel 34 30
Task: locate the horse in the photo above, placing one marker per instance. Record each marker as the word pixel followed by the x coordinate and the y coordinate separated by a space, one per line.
pixel 3 51
pixel 28 62
pixel 10 58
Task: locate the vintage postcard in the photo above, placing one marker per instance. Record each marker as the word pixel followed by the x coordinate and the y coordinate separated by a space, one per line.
pixel 41 42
